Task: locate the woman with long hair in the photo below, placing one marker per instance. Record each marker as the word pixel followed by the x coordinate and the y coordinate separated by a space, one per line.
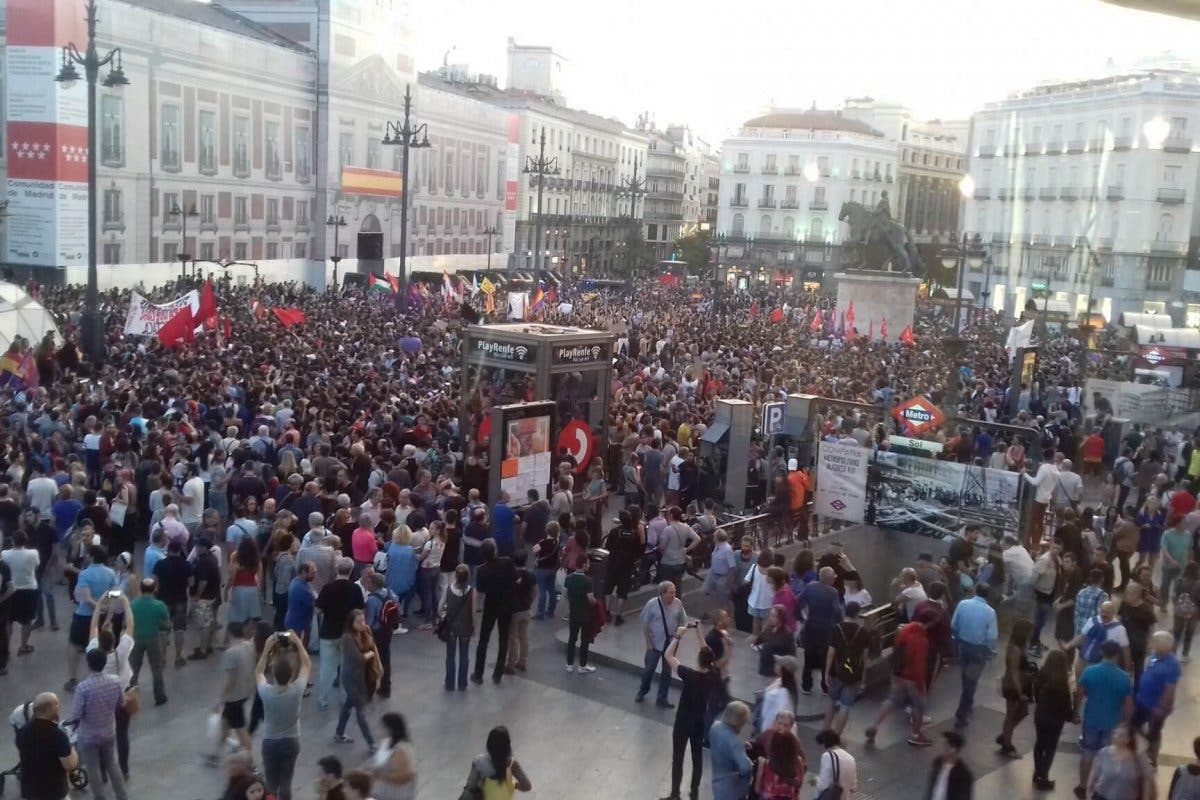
pixel 497 773
pixel 458 620
pixel 122 511
pixel 781 773
pixel 1151 520
pixel 1120 772
pixel 781 694
pixel 359 676
pixel 1017 684
pixel 287 466
pixel 1055 707
pixel 241 587
pixel 392 767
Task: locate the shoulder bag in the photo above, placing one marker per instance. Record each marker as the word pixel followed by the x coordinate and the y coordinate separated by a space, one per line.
pixel 442 629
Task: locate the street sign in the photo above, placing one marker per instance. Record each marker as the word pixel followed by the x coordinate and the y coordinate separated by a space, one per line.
pixel 919 415
pixel 576 439
pixel 915 444
pixel 772 419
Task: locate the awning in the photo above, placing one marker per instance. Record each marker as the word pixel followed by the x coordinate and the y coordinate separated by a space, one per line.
pixel 715 433
pixel 1169 337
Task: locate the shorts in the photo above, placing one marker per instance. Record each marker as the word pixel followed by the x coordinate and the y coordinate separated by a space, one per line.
pixel 235 714
pixel 842 695
pixel 905 693
pixel 81 628
pixel 619 581
pixel 24 606
pixel 759 613
pixel 1093 740
pixel 179 615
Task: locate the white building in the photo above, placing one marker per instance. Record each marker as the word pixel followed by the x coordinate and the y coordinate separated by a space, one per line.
pixel 1104 167
pixel 784 178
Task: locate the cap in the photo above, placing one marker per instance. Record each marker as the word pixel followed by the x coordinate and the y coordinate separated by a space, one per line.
pixel 793 464
pixel 125 558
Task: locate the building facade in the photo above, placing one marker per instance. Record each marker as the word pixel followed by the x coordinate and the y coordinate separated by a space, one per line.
pixel 783 181
pixel 677 184
pixel 1089 189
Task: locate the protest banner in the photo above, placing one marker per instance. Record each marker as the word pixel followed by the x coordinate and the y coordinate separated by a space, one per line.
pixel 145 318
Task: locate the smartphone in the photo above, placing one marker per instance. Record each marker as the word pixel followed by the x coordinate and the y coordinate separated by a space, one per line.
pixel 693 624
pixel 285 635
pixel 114 594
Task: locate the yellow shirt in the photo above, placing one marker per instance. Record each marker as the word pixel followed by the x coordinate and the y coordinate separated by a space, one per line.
pixel 684 434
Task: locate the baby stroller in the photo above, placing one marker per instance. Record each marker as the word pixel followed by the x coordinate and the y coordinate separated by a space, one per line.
pixel 21 715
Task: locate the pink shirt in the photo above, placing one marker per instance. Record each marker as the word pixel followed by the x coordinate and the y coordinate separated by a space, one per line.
pixel 363 545
pixel 785 598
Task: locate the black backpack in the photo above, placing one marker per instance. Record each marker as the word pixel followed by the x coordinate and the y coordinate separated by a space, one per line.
pixel 849 668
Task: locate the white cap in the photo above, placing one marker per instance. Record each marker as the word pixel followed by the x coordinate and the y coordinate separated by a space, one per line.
pixel 793 465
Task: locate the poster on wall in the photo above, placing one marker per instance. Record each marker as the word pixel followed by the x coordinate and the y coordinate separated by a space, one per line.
pixel 526 463
pixel 940 498
pixel 841 481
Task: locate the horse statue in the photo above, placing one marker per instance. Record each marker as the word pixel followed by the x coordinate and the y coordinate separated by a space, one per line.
pixel 876 241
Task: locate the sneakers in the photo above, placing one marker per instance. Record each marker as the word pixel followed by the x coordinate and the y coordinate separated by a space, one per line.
pixel 588 669
pixel 919 741
pixel 1042 784
pixel 806 692
pixel 401 629
pixel 570 667
pixel 341 739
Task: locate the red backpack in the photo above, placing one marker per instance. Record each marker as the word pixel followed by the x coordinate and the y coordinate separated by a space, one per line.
pixel 389 613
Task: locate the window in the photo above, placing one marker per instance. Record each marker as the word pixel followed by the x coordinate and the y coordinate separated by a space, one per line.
pixel 768 197
pixel 303 154
pixel 1037 134
pixel 793 167
pixel 170 251
pixel 374 154
pixel 1050 177
pixel 1074 176
pixel 819 194
pixel 208 251
pixel 989 137
pixel 1080 127
pixel 168 155
pixel 302 214
pixel 823 165
pixel 1126 126
pixel 272 250
pixel 481 173
pixel 449 166
pixel 816 230
pixel 789 197
pixel 208 210
pixel 789 227
pixel 241 146
pixel 112 253
pixel 208 142
pixel 743 162
pixel 1178 127
pixel 170 201
pixel 241 212
pixel 112 132
pixel 739 225
pixel 1171 175
pixel 300 249
pixel 273 211
pixel 1120 175
pixel 1058 134
pixel 112 207
pixel 854 173
pixel 346 148
pixel 764 225
pixel 739 194
pixel 240 251
pixel 500 182
pixel 770 166
pixel 274 165
pixel 1166 226
pixel 1030 177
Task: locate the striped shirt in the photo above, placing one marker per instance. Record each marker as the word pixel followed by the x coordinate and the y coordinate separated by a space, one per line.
pixel 95 708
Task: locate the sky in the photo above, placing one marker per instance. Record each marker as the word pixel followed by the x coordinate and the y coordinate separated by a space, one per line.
pixel 712 65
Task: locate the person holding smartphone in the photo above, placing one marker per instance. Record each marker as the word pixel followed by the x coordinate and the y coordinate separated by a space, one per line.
pixel 281 709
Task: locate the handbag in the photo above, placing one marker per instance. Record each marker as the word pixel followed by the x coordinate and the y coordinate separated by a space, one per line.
pixel 834 791
pixel 133 701
pixel 442 629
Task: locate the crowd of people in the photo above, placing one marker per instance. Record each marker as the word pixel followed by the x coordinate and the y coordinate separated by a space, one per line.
pixel 272 491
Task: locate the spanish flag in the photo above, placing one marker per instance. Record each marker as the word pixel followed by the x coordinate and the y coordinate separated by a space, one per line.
pixel 18 370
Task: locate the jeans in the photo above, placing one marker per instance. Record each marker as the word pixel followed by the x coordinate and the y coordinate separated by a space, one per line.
pixel 1169 576
pixel 383 643
pixel 1045 746
pixel 427 587
pixel 100 757
pixel 685 733
pixel 460 645
pixel 971 657
pixel 331 659
pixel 46 606
pixel 574 634
pixel 814 659
pixel 654 660
pixel 501 620
pixel 518 640
pixel 1184 630
pixel 547 594
pixel 359 715
pixel 153 649
pixel 1043 612
pixel 278 765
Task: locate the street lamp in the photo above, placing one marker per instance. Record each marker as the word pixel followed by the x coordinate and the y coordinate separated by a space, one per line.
pixel 987 281
pixel 968 253
pixel 176 211
pixel 91 61
pixel 489 232
pixel 405 135
pixel 337 223
pixel 632 187
pixel 540 167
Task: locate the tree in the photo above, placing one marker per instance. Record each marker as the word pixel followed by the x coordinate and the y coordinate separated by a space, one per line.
pixel 696 249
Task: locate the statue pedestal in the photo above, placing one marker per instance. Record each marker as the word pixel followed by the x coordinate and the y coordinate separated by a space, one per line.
pixel 877 296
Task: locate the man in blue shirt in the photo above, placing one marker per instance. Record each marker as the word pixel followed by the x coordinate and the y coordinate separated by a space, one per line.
pixel 64 511
pixel 1105 693
pixel 301 601
pixel 1156 691
pixel 503 523
pixel 973 627
pixel 156 551
pixel 93 582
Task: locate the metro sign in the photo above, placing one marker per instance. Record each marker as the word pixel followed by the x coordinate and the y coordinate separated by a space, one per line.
pixel 919 415
pixel 1154 356
pixel 838 505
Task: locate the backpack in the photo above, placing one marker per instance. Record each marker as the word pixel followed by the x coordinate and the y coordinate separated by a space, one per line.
pixel 1096 635
pixel 1123 470
pixel 849 668
pixel 389 613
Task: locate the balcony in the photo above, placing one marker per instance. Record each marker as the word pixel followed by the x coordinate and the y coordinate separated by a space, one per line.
pixel 766 202
pixel 999 238
pixel 982 193
pixel 1068 193
pixel 1096 144
pixel 1032 150
pixel 1041 238
pixel 1104 243
pixel 1159 284
pixel 1164 248
pixel 888 179
pixel 818 205
pixel 790 170
pixel 856 174
pixel 770 169
pixel 1054 147
pixel 1177 144
pixel 208 224
pixel 739 202
pixel 1089 193
pixel 988 151
pixel 1115 193
pixel 1122 142
pixel 1047 193
pixel 789 204
pixel 825 172
pixel 1075 146
pixel 1170 195
pixel 273 226
pixel 1027 193
pixel 241 225
pixel 1107 280
pixel 874 176
pixel 741 168
pixel 1004 193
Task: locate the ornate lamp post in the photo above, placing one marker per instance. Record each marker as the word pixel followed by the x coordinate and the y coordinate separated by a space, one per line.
pixel 337 223
pixel 176 211
pixel 540 167
pixel 489 232
pixel 632 187
pixel 403 134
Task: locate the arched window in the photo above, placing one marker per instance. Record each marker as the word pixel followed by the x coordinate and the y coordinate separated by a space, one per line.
pixel 764 225
pixel 1166 226
pixel 739 225
pixel 816 230
pixel 789 227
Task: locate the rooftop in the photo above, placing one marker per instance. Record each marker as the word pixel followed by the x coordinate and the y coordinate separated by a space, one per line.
pixel 215 15
pixel 813 119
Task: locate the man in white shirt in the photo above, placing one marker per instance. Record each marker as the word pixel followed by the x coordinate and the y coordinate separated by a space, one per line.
pixel 911 593
pixel 191 500
pixel 41 492
pixel 1018 566
pixel 836 765
pixel 1046 481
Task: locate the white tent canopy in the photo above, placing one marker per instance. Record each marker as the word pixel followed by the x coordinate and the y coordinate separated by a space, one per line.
pixel 21 315
pixel 1169 337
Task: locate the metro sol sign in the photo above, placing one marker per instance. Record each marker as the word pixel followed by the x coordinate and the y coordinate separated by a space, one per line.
pixel 919 415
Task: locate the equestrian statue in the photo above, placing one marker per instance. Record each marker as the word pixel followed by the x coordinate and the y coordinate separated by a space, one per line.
pixel 876 241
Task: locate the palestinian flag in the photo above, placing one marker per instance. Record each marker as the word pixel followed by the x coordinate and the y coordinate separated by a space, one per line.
pixel 381 283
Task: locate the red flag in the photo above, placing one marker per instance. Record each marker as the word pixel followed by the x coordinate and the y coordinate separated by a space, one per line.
pixel 179 329
pixel 754 309
pixel 883 330
pixel 208 305
pixel 871 331
pixel 777 315
pixel 395 283
pixel 906 336
pixel 851 333
pixel 850 314
pixel 227 327
pixel 288 316
pixel 816 323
